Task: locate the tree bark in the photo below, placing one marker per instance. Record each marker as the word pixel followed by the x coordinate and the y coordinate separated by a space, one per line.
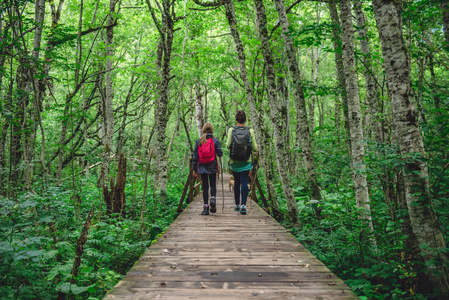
pixel 115 198
pixel 4 122
pixel 372 93
pixel 108 119
pixel 121 132
pixel 257 117
pixel 281 152
pixel 445 12
pixel 436 97
pixel 336 40
pixel 355 120
pixel 166 31
pixel 416 176
pixel 300 104
pixel 198 109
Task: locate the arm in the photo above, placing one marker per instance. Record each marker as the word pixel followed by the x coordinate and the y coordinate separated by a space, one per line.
pixel 228 141
pixel 253 141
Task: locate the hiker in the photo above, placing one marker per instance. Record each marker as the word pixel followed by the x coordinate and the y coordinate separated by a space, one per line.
pixel 241 142
pixel 205 163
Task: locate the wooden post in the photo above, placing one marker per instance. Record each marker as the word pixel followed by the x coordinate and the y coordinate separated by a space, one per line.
pixel 191 190
pixel 184 192
pixel 262 196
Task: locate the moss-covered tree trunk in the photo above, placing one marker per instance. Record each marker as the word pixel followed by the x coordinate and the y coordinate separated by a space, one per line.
pixel 405 118
pixel 300 104
pixel 355 117
pixel 281 148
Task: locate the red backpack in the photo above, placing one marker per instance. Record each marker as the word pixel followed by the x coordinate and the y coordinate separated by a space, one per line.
pixel 206 152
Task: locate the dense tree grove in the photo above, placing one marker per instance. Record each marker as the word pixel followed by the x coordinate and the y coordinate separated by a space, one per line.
pixel 101 102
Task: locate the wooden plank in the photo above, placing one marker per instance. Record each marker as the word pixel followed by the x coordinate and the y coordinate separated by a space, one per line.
pixel 228 256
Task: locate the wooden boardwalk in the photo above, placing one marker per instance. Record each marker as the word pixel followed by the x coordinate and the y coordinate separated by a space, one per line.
pixel 228 256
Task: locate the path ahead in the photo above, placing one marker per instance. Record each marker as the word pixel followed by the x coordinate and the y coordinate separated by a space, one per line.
pixel 228 256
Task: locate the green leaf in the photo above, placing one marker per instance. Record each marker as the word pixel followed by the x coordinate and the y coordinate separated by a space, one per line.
pixel 64 287
pixel 76 290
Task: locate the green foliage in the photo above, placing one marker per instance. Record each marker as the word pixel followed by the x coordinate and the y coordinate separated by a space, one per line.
pixel 39 232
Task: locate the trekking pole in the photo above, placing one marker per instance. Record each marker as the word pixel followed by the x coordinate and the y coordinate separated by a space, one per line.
pixel 222 186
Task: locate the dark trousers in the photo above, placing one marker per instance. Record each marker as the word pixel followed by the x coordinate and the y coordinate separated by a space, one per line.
pixel 240 178
pixel 205 178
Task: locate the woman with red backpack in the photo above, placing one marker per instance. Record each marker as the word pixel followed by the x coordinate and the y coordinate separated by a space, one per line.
pixel 204 163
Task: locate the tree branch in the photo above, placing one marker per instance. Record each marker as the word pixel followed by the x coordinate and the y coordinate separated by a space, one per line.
pixel 215 3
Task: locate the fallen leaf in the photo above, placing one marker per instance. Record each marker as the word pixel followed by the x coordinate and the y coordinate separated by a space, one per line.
pixel 260 275
pixel 162 285
pixel 331 283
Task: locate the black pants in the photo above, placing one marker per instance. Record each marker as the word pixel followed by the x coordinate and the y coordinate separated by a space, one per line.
pixel 205 184
pixel 240 179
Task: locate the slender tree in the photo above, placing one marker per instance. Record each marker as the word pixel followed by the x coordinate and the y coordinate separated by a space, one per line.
pixel 337 43
pixel 300 103
pixel 416 175
pixel 355 120
pixel 281 148
pixel 372 93
pixel 166 31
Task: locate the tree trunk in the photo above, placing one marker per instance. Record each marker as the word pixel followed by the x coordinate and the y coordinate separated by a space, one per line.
pixel 436 97
pixel 257 117
pixel 115 199
pixel 315 61
pixel 355 121
pixel 372 93
pixel 140 126
pixel 108 113
pixel 4 122
pixel 166 31
pixel 300 104
pixel 416 176
pixel 121 132
pixel 337 112
pixel 198 109
pixel 336 39
pixel 445 12
pixel 281 148
pixel 283 101
pixel 62 137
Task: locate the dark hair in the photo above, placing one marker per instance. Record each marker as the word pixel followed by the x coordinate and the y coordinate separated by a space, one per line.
pixel 240 117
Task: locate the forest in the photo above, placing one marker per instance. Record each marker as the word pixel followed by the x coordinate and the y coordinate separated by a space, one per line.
pixel 101 103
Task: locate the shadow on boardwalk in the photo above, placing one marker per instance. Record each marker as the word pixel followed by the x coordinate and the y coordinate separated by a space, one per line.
pixel 228 256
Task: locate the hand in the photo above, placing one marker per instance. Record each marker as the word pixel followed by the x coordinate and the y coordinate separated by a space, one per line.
pixel 195 174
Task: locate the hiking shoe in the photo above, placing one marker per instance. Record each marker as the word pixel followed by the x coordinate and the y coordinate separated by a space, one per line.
pixel 243 210
pixel 236 208
pixel 205 210
pixel 213 205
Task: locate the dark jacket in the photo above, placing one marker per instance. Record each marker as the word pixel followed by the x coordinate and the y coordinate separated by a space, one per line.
pixel 211 168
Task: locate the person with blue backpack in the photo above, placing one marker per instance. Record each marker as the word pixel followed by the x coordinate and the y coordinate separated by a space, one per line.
pixel 241 143
pixel 204 163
